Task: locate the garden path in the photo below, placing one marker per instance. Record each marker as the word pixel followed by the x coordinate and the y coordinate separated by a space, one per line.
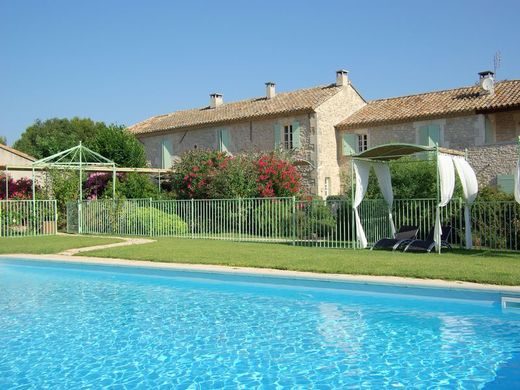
pixel 125 241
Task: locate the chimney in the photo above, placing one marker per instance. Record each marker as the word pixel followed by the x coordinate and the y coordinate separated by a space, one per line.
pixel 342 78
pixel 270 91
pixel 215 100
pixel 487 82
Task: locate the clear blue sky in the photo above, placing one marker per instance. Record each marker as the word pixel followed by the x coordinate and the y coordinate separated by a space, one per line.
pixel 123 61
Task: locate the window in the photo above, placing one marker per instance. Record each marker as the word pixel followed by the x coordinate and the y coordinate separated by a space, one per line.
pixel 362 142
pixel 506 183
pixel 430 135
pixel 166 154
pixel 326 188
pixel 350 144
pixel 223 140
pixel 489 134
pixel 288 137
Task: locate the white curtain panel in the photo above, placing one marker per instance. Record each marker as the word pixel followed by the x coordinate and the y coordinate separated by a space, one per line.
pixel 447 185
pixel 362 171
pixel 385 185
pixel 517 182
pixel 469 183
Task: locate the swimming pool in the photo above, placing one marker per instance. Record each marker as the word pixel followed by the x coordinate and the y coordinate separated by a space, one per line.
pixel 65 325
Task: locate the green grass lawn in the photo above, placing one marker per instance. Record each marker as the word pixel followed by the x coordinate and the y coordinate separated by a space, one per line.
pixel 49 244
pixel 472 266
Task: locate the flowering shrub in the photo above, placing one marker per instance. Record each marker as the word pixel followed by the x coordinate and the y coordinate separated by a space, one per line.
pixel 18 189
pixel 206 174
pixel 195 171
pixel 277 177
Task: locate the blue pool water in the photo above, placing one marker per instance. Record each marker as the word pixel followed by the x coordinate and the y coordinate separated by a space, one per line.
pixel 73 326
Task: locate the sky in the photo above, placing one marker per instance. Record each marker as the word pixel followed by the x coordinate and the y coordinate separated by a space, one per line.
pixel 124 61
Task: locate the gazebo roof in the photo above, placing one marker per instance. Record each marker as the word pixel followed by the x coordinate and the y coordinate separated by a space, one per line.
pixel 394 151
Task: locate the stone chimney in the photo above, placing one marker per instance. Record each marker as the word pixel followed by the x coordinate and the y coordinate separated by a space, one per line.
pixel 215 100
pixel 342 78
pixel 270 91
pixel 487 82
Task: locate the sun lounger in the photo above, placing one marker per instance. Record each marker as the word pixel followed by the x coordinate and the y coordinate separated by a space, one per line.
pixel 405 235
pixel 429 244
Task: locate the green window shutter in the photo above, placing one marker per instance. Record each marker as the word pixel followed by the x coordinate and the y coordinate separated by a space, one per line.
pixel 506 183
pixel 434 135
pixel 296 135
pixel 488 135
pixel 350 144
pixel 423 136
pixel 223 140
pixel 277 135
pixel 166 154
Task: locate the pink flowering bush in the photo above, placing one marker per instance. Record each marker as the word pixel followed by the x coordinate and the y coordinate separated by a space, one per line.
pixel 207 174
pixel 18 189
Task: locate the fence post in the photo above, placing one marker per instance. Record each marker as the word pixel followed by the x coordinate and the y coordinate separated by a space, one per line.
pixel 239 219
pixel 294 220
pixel 191 217
pixel 150 218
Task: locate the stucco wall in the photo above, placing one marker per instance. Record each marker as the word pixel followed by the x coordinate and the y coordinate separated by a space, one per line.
pixel 488 161
pixel 328 115
pixel 8 158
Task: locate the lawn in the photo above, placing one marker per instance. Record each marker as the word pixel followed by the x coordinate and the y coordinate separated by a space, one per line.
pixel 471 266
pixel 49 244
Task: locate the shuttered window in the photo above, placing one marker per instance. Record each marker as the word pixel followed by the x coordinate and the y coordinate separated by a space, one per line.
pixel 166 154
pixel 430 135
pixel 506 183
pixel 223 140
pixel 288 136
pixel 489 136
pixel 277 136
pixel 350 144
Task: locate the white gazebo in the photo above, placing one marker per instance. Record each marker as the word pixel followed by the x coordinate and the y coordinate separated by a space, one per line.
pixel 447 162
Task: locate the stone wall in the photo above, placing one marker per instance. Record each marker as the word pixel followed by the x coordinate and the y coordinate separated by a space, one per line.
pixel 488 161
pixel 328 115
pixel 247 136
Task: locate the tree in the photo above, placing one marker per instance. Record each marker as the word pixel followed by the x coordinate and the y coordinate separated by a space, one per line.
pixel 45 138
pixel 3 140
pixel 119 145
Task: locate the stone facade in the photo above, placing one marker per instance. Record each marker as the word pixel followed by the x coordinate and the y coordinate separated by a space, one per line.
pixel 327 116
pixel 488 161
pixel 461 132
pixel 315 159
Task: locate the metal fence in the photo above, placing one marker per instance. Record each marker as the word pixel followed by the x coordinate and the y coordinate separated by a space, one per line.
pixel 27 218
pixel 495 225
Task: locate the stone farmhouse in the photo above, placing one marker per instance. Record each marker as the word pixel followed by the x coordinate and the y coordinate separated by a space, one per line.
pixel 324 125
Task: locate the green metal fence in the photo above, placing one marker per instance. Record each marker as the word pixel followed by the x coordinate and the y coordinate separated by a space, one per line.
pixel 27 218
pixel 319 223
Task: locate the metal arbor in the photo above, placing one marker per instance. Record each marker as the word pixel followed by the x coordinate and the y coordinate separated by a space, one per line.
pixel 78 158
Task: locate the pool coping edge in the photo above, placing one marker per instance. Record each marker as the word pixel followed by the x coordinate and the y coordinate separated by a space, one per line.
pixel 270 272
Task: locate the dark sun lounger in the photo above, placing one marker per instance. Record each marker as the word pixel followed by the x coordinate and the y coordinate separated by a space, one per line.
pixel 405 235
pixel 429 244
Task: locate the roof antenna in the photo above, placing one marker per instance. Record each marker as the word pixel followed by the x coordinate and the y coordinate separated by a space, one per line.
pixel 497 61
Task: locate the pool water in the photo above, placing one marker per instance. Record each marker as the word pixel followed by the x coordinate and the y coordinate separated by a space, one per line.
pixel 70 326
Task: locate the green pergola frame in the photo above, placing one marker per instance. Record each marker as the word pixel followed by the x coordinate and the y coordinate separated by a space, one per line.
pixel 394 151
pixel 77 158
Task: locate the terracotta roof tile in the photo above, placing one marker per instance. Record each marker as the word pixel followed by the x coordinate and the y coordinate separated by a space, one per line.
pixel 301 100
pixel 434 104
